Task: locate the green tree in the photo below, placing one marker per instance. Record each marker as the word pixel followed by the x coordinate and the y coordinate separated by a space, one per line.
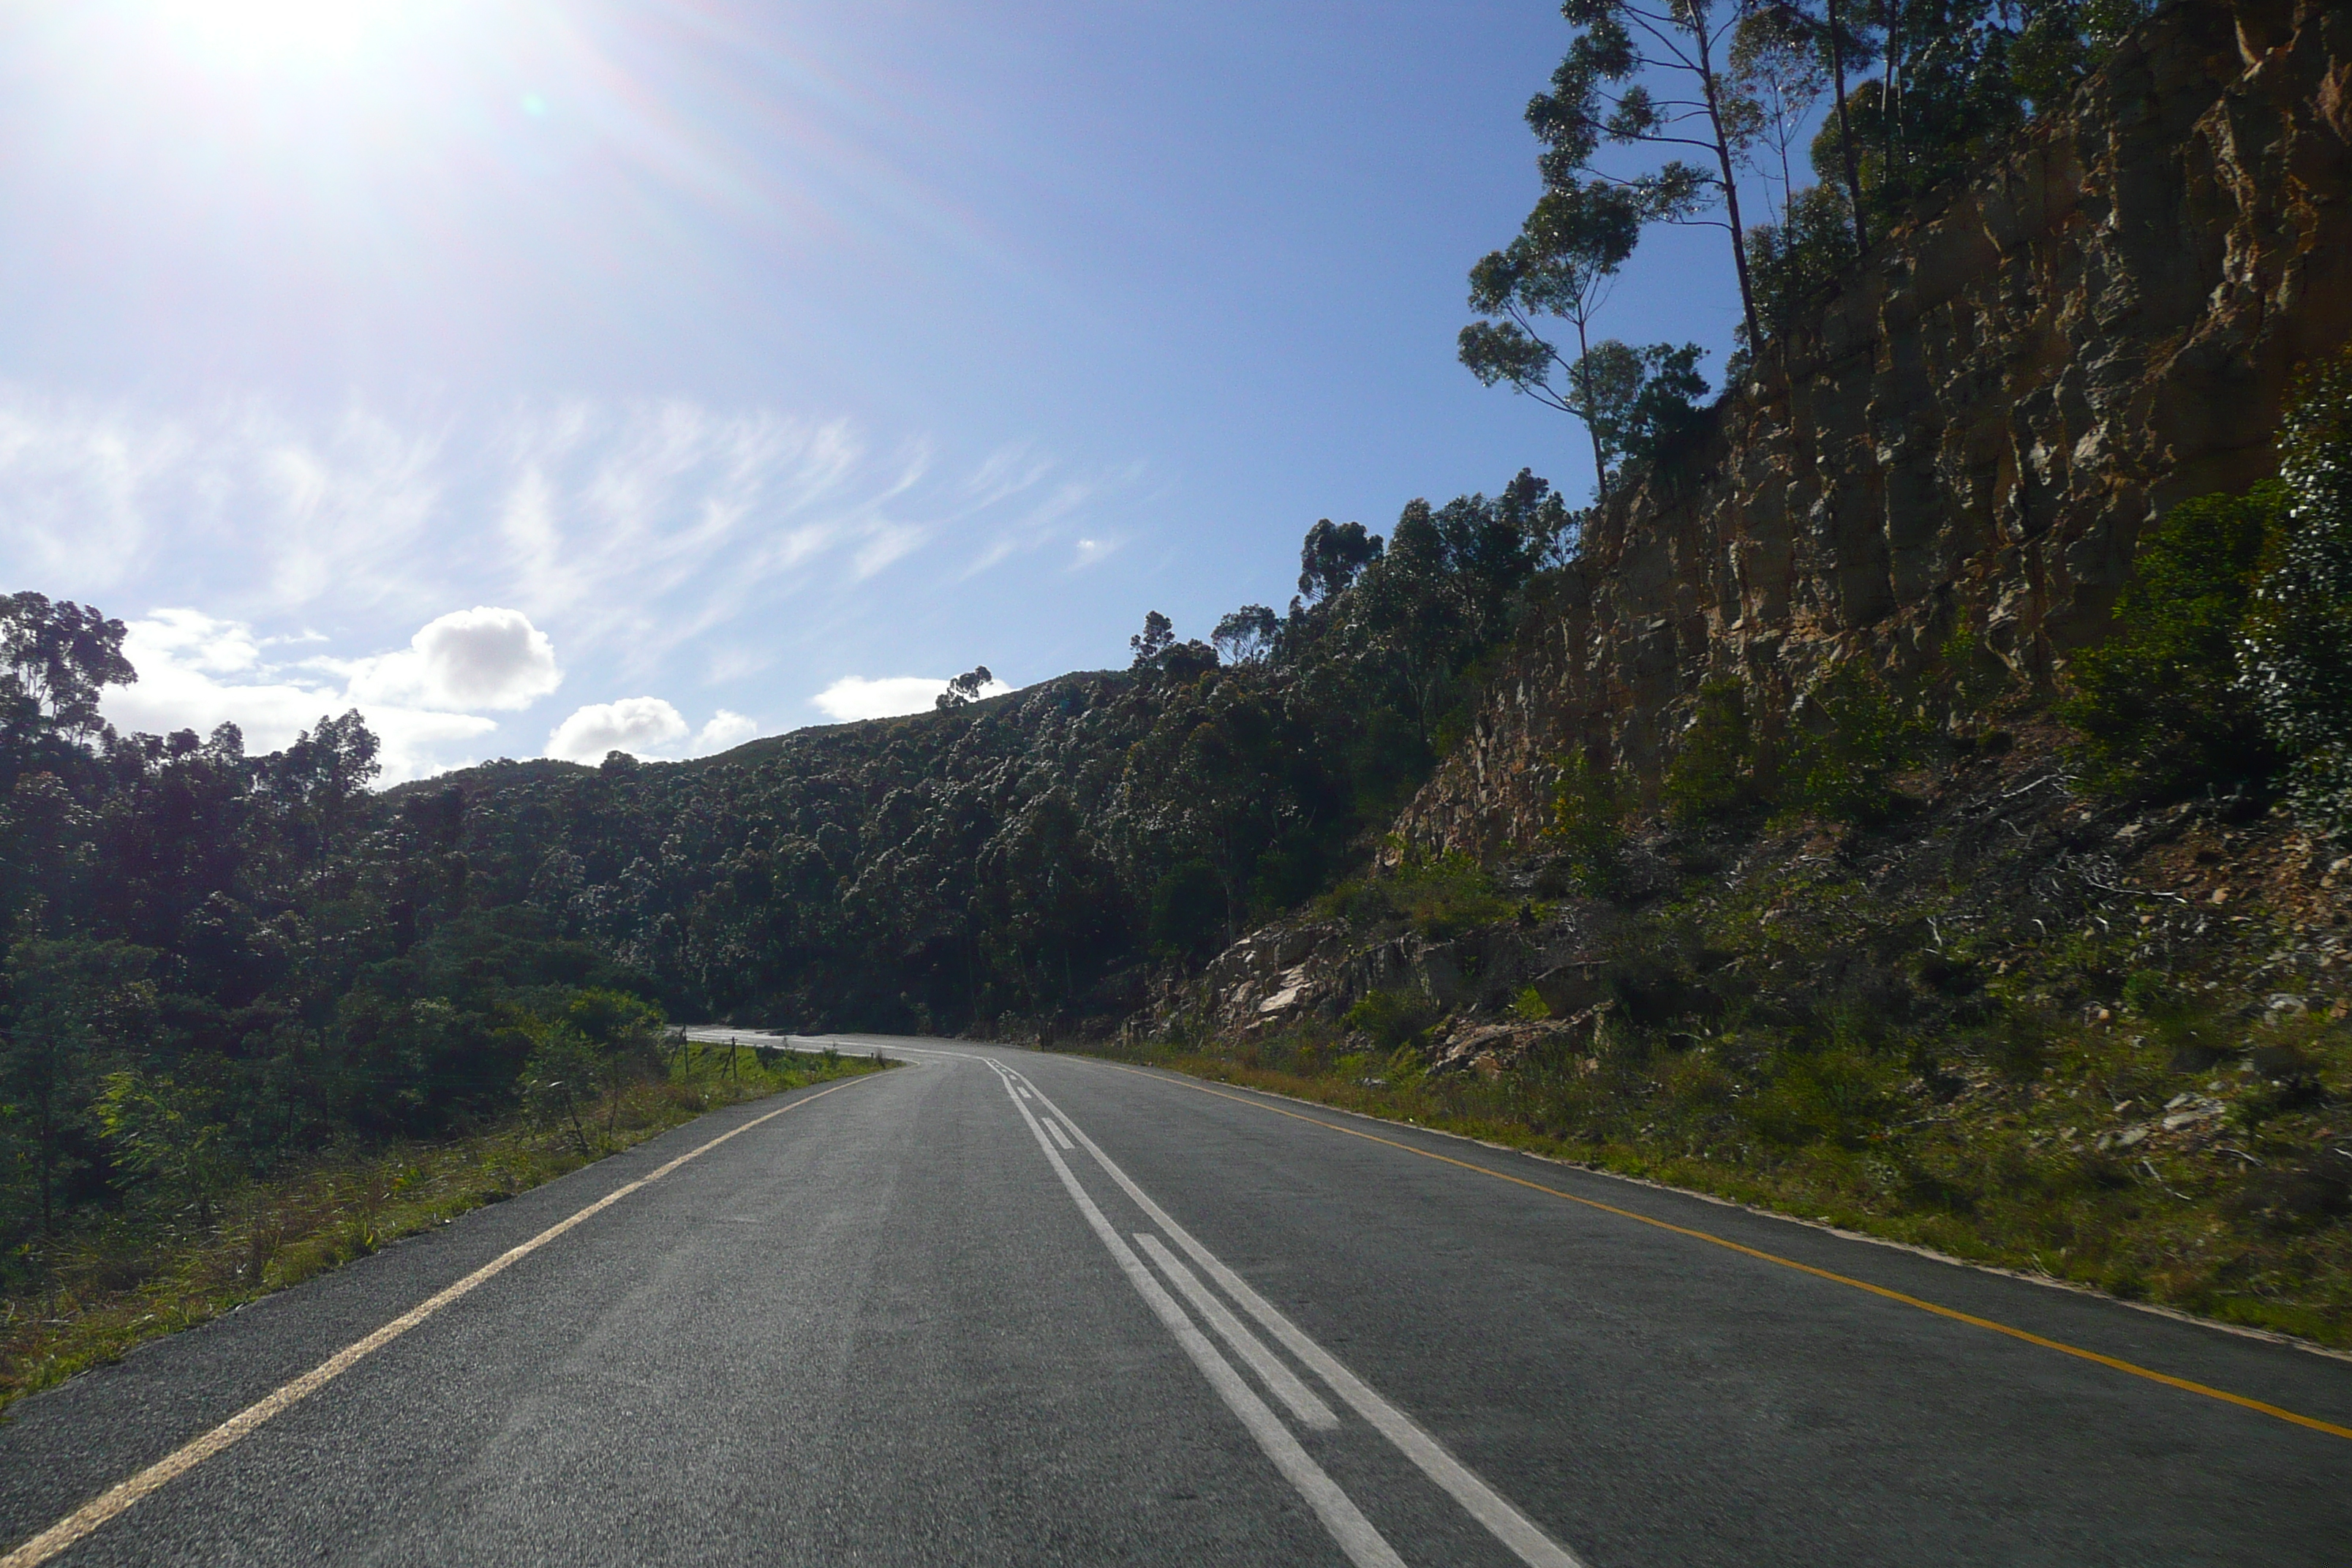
pixel 1843 764
pixel 1158 634
pixel 1571 246
pixel 2298 641
pixel 1589 809
pixel 965 689
pixel 1248 636
pixel 2158 704
pixel 1643 399
pixel 1786 53
pixel 54 659
pixel 1777 63
pixel 1331 555
pixel 1603 91
pixel 1712 773
pixel 74 1006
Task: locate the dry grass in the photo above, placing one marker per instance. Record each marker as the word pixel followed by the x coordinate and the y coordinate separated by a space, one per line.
pixel 144 1272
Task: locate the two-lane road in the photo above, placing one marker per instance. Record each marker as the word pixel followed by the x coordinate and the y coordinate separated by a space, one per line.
pixel 998 1307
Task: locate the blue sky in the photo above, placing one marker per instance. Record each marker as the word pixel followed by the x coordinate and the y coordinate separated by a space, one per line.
pixel 552 373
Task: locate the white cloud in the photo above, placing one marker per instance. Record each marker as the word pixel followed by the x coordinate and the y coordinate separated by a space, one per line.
pixel 724 729
pixel 482 657
pixel 632 724
pixel 183 656
pixel 233 505
pixel 664 545
pixel 856 696
pixel 627 530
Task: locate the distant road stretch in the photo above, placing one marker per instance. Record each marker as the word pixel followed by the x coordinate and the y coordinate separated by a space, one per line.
pixel 1005 1307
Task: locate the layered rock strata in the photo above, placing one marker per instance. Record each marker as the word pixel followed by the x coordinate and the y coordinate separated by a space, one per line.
pixel 1973 434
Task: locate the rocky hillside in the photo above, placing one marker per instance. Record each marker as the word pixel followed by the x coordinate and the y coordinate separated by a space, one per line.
pixel 1976 430
pixel 1776 862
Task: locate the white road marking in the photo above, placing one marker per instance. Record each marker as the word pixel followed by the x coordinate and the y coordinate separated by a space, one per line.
pixel 1025 1094
pixel 1355 1534
pixel 1311 1411
pixel 121 1496
pixel 1514 1530
pixel 1059 1136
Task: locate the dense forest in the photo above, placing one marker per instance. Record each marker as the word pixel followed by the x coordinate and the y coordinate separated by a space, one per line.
pixel 216 960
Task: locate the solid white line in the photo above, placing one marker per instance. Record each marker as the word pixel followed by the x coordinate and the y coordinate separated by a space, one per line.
pixel 1483 1502
pixel 1312 1412
pixel 119 1497
pixel 1354 1533
pixel 1059 1136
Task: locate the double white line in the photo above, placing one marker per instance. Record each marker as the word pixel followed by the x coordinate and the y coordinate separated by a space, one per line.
pixel 1355 1534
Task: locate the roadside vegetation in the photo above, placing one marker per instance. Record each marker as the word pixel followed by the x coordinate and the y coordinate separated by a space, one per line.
pixel 184 1251
pixel 2059 980
pixel 2161 1111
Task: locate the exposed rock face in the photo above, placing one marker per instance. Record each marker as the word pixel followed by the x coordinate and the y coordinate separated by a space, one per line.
pixel 1277 975
pixel 1984 417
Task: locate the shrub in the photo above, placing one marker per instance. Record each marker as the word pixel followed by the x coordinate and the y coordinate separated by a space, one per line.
pixel 2298 643
pixel 1712 775
pixel 1588 824
pixel 1394 1019
pixel 2158 703
pixel 1845 769
pixel 1439 896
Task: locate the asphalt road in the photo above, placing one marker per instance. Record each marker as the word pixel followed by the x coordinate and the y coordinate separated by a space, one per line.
pixel 1005 1307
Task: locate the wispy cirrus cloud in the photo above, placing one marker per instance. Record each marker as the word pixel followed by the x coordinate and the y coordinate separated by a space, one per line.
pixel 655 543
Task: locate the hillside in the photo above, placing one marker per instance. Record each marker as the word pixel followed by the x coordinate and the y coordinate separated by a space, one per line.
pixel 1802 849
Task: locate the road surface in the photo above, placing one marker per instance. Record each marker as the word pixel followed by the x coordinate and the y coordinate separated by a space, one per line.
pixel 997 1306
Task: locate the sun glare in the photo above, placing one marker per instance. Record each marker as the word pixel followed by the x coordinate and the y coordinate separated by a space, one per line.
pixel 295 34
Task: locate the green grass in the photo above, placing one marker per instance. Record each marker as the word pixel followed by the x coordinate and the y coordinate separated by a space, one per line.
pixel 1801 1043
pixel 1992 1184
pixel 145 1271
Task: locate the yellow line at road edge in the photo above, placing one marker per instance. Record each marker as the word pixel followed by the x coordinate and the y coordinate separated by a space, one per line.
pixel 1957 1315
pixel 123 1494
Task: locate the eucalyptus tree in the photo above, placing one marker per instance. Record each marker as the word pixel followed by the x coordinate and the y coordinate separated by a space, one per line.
pixel 1603 91
pixel 1560 265
pixel 965 689
pixel 1248 636
pixel 1786 53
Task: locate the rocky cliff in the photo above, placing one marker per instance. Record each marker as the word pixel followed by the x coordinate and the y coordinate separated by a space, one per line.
pixel 1977 426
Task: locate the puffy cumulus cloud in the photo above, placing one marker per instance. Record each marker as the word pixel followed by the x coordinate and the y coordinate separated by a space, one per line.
pixel 196 672
pixel 724 730
pixel 636 725
pixel 856 696
pixel 467 659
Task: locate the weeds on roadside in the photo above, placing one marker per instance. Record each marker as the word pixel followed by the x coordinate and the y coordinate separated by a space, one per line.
pixel 170 1262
